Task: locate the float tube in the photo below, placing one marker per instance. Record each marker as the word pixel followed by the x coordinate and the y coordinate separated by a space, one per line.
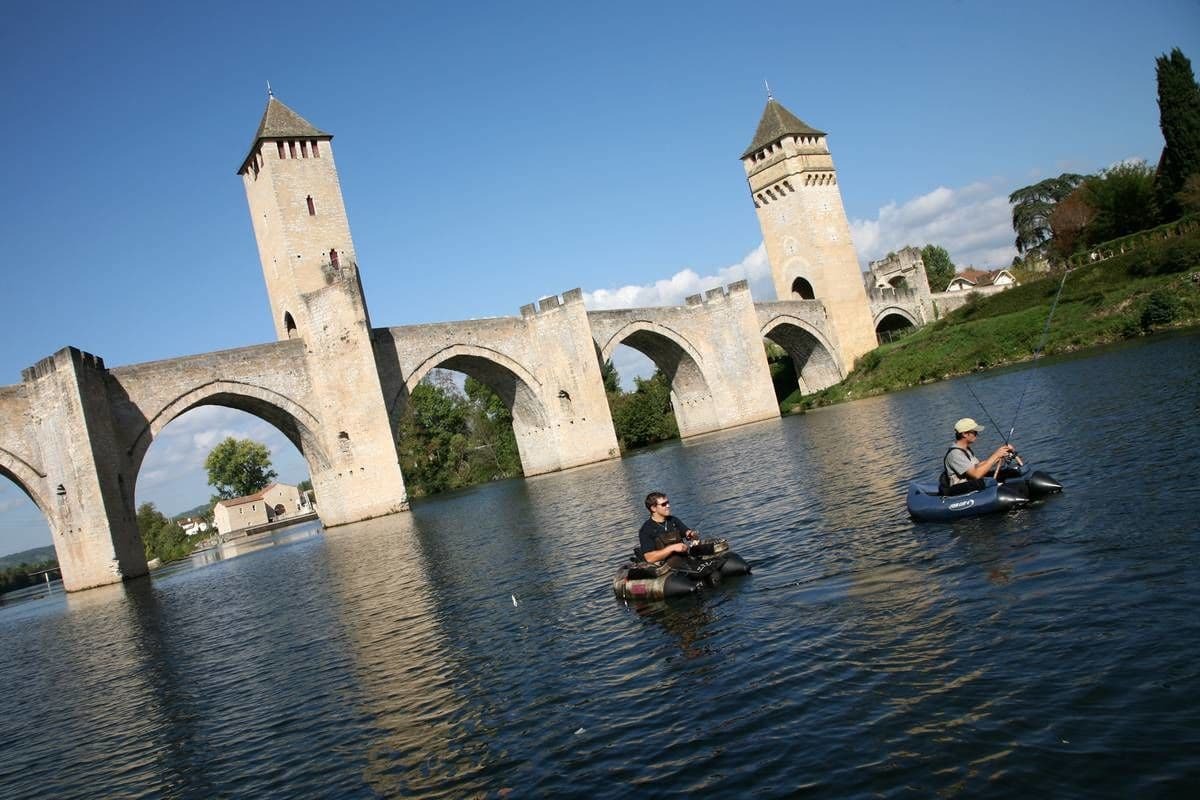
pixel 705 564
pixel 1016 487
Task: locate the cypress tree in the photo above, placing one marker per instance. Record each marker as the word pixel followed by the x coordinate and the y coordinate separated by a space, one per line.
pixel 1179 118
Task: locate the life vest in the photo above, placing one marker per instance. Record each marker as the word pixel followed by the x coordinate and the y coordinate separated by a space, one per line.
pixel 951 483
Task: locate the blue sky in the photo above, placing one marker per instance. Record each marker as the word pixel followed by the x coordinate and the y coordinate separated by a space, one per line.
pixel 494 153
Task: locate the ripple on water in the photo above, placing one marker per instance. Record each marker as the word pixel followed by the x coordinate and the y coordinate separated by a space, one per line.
pixel 1050 652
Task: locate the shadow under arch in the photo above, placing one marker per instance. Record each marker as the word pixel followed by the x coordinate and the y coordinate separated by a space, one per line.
pixel 516 386
pixel 811 353
pixel 286 415
pixel 892 322
pixel 680 361
pixel 26 478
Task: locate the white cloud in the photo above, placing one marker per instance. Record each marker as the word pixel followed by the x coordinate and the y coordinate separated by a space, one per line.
pixel 974 223
pixel 673 290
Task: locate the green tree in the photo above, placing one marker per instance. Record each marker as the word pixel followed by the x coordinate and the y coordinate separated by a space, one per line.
pixel 238 467
pixel 1179 118
pixel 612 381
pixel 644 416
pixel 939 269
pixel 1123 198
pixel 16 576
pixel 1162 307
pixel 1031 208
pixel 1189 196
pixel 1069 222
pixel 161 538
pixel 433 439
pixel 493 449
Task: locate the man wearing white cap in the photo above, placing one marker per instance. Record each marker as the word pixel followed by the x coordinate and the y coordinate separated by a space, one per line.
pixel 962 469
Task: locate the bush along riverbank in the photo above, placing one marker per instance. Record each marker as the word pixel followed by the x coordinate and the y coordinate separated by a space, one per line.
pixel 1155 288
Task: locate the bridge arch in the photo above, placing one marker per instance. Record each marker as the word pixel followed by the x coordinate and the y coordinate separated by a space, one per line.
pixel 681 362
pixel 892 321
pixel 516 386
pixel 811 353
pixel 286 415
pixel 27 478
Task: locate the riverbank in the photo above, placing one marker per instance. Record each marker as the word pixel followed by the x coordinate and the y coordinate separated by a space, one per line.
pixel 1125 297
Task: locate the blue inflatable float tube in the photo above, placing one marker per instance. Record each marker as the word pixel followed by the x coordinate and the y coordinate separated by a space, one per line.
pixel 1015 488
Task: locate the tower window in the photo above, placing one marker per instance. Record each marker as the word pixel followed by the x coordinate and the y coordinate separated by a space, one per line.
pixel 289 325
pixel 312 210
pixel 280 146
pixel 292 149
pixel 333 257
pixel 803 289
pixel 316 152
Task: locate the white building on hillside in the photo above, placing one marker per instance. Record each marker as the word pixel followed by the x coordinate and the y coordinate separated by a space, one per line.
pixel 276 502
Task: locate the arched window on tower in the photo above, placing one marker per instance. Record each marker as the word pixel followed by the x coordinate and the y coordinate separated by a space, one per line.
pixel 802 289
pixel 333 257
pixel 312 209
pixel 289 325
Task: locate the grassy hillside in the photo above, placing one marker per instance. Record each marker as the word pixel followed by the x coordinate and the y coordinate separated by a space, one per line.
pixel 1130 295
pixel 37 555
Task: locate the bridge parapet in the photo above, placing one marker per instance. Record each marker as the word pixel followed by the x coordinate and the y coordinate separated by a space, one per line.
pixel 907 303
pixel 710 350
pixel 542 364
pixel 811 311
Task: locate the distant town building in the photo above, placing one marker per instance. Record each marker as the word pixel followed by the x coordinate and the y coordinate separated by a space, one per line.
pixel 972 278
pixel 276 502
pixel 192 526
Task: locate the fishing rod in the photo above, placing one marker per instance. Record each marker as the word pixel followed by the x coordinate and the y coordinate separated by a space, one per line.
pixel 1037 352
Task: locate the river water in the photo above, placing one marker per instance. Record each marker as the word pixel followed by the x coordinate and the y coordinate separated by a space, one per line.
pixel 474 647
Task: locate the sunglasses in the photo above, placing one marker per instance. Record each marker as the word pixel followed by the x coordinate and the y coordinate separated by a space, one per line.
pixel 664 502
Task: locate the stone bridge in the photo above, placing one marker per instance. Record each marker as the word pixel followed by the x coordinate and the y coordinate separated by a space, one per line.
pixel 74 433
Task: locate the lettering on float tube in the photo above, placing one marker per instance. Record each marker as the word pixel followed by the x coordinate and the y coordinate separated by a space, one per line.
pixel 962 504
pixel 636 587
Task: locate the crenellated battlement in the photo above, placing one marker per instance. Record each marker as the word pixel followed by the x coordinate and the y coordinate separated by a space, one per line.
pixel 552 302
pixel 717 294
pixel 49 364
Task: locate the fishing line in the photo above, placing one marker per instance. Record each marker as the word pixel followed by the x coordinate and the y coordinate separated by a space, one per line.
pixel 971 389
pixel 1038 352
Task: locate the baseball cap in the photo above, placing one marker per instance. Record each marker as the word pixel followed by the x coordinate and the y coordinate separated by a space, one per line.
pixel 967 424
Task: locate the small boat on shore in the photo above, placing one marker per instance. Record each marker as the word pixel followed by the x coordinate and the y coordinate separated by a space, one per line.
pixel 1014 489
pixel 706 564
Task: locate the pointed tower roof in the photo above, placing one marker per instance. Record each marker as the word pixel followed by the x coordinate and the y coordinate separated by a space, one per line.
pixel 776 123
pixel 280 122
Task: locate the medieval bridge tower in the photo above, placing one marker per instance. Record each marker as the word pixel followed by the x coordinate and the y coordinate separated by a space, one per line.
pixel 312 280
pixel 795 190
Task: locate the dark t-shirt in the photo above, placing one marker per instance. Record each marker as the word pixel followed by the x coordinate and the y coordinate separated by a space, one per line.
pixel 657 535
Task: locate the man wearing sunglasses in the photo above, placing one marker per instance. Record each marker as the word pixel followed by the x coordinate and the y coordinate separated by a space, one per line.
pixel 962 470
pixel 662 534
